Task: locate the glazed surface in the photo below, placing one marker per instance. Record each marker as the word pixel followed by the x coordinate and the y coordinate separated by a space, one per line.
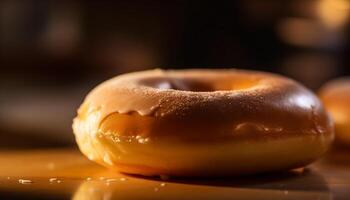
pixel 223 116
pixel 257 104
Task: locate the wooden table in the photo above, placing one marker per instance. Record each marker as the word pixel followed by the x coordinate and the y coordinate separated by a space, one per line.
pixel 65 174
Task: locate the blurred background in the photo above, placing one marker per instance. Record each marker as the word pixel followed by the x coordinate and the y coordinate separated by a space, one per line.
pixel 53 52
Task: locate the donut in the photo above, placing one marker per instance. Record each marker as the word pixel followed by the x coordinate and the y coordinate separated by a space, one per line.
pixel 335 96
pixel 202 123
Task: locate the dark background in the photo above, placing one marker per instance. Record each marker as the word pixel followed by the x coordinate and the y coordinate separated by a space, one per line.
pixel 53 52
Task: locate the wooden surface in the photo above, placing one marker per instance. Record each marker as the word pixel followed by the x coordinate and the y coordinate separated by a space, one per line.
pixel 66 174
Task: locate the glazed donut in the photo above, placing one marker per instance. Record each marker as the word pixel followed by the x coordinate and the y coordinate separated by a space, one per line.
pixel 202 123
pixel 336 98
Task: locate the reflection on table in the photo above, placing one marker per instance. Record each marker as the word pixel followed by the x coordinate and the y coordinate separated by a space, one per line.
pixel 65 174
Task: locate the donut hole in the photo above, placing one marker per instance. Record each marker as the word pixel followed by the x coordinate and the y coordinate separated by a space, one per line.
pixel 199 85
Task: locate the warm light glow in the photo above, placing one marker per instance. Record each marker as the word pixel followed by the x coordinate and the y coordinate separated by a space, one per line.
pixel 303 32
pixel 334 13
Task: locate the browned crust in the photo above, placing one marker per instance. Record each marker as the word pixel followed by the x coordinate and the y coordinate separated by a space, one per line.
pixel 272 106
pixel 199 109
